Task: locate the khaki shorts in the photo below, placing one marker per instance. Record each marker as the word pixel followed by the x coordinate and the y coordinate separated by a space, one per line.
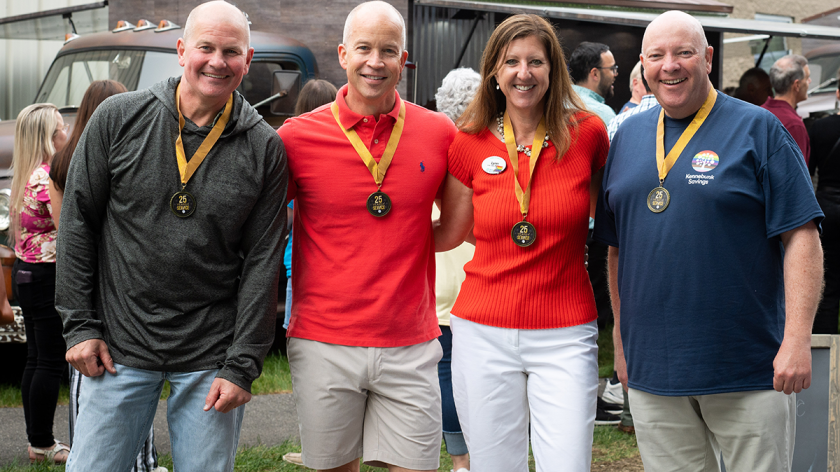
pixel 382 404
pixel 752 430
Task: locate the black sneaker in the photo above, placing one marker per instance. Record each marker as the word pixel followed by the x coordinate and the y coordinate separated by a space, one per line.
pixel 602 417
pixel 610 407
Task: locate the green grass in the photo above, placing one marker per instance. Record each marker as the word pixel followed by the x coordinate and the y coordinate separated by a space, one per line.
pixel 275 376
pixel 605 353
pixel 610 445
pixel 10 396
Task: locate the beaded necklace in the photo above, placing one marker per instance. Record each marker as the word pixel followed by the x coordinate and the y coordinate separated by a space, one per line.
pixel 519 147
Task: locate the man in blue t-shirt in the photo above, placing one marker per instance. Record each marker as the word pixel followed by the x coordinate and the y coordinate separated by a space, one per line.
pixel 717 261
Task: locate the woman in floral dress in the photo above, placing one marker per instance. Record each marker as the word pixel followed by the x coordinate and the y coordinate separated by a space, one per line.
pixel 40 131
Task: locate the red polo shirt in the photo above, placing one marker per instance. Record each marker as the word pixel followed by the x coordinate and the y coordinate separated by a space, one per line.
pixel 792 122
pixel 360 280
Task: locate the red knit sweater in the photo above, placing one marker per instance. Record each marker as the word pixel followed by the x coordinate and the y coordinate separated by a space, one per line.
pixel 546 284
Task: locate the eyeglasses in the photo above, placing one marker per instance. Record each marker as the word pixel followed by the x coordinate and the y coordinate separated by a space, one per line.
pixel 65 128
pixel 613 68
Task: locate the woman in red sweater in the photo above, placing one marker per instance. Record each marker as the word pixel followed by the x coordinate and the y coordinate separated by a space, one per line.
pixel 525 170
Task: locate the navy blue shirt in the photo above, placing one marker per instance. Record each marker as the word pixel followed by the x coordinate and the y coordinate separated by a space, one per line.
pixel 701 284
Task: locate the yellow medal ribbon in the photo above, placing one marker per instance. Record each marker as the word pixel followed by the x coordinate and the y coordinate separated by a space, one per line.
pixel 664 164
pixel 524 198
pixel 188 169
pixel 377 170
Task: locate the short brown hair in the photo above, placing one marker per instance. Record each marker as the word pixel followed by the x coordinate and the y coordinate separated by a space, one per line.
pixel 315 93
pixel 561 102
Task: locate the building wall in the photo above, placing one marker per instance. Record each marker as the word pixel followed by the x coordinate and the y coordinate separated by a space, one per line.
pixel 737 57
pixel 317 23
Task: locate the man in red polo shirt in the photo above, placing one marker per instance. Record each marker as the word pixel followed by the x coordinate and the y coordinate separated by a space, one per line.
pixel 790 77
pixel 364 173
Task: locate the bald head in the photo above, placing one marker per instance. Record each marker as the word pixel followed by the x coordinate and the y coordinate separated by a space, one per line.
pixel 677 60
pixel 373 12
pixel 216 12
pixel 676 20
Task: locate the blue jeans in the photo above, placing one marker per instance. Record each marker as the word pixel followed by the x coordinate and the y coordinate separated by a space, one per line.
pixel 452 435
pixel 116 412
pixel 288 303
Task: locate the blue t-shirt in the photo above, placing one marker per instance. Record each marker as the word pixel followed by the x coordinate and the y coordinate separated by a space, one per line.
pixel 701 284
pixel 287 257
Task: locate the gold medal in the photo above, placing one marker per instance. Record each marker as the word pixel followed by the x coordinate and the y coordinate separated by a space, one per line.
pixel 523 233
pixel 658 199
pixel 378 204
pixel 182 204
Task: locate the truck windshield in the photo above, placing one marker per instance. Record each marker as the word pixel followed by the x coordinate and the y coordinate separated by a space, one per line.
pixel 70 75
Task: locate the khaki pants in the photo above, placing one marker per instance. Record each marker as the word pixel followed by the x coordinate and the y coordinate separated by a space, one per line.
pixel 754 431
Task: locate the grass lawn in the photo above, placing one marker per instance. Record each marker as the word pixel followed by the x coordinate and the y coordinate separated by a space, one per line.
pixel 610 445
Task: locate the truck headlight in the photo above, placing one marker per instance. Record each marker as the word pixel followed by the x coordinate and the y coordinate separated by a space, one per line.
pixel 5 200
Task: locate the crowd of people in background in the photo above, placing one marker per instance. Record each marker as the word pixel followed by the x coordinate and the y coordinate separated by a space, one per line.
pixel 437 286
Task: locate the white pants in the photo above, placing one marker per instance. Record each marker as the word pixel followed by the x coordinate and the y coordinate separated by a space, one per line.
pixel 501 375
pixel 753 430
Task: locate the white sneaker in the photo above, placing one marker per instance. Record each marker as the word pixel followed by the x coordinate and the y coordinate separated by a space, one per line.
pixel 161 469
pixel 462 469
pixel 613 393
pixel 293 458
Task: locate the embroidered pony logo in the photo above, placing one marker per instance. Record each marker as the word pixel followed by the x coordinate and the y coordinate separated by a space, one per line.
pixel 422 167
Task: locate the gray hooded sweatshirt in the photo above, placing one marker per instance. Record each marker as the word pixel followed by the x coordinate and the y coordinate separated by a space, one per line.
pixel 166 293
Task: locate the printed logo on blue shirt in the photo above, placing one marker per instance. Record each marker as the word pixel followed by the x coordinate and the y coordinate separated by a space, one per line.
pixel 703 162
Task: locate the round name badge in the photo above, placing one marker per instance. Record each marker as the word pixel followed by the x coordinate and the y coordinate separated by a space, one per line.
pixel 182 204
pixel 494 165
pixel 378 204
pixel 658 200
pixel 523 233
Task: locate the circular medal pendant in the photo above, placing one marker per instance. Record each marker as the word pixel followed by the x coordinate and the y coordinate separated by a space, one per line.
pixel 378 204
pixel 182 204
pixel 523 233
pixel 658 199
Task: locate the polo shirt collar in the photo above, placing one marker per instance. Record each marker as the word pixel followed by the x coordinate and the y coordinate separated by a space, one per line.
pixel 350 118
pixel 585 91
pixel 779 104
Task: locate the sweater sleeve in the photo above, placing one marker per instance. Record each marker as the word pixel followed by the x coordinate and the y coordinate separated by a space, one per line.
pixel 85 201
pixel 262 249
